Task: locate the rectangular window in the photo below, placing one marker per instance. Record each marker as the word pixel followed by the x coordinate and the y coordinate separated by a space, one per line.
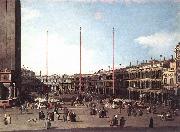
pixel 171 81
pixel 165 80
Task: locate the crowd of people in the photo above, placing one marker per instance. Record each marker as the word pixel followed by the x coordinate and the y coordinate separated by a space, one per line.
pixel 136 109
pixel 67 115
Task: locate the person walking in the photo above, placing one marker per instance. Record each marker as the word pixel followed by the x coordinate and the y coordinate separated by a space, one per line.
pixel 47 123
pixel 140 112
pixel 52 116
pixel 4 107
pixel 114 121
pixel 69 115
pixel 58 116
pixel 40 115
pixel 65 114
pixel 122 122
pixel 49 115
pixel 151 123
pixel 120 107
pixel 8 119
pixel 21 109
pixel 5 119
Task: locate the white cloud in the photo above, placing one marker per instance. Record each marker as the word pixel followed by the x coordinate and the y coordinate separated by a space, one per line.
pixel 152 40
pixel 159 43
pixel 29 14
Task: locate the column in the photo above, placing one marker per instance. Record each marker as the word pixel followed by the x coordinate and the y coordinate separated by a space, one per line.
pixel 129 94
pixel 103 90
pixel 150 84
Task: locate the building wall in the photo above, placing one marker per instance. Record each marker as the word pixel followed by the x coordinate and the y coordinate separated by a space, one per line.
pixel 147 75
pixel 169 75
pixel 61 84
pixel 10 38
pixel 177 53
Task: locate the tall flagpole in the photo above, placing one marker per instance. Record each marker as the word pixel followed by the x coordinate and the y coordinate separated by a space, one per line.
pixel 47 55
pixel 80 77
pixel 113 63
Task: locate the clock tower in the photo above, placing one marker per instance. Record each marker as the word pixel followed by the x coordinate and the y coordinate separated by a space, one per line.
pixel 177 53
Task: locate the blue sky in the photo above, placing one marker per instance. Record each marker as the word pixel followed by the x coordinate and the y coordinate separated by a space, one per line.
pixel 143 29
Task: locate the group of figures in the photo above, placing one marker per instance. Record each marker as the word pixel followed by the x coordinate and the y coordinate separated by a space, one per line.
pixel 50 116
pixel 116 122
pixel 133 109
pixel 102 112
pixel 23 108
pixel 68 115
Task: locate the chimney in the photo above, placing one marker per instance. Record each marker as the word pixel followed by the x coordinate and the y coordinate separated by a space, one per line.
pixel 146 61
pixel 164 58
pixel 137 62
pixel 143 61
pixel 40 73
pixel 130 64
pixel 172 57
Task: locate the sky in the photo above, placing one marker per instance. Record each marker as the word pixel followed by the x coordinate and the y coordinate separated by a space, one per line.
pixel 143 29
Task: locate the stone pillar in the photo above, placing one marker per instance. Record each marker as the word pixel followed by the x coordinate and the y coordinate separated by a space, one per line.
pixel 129 94
pixel 162 98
